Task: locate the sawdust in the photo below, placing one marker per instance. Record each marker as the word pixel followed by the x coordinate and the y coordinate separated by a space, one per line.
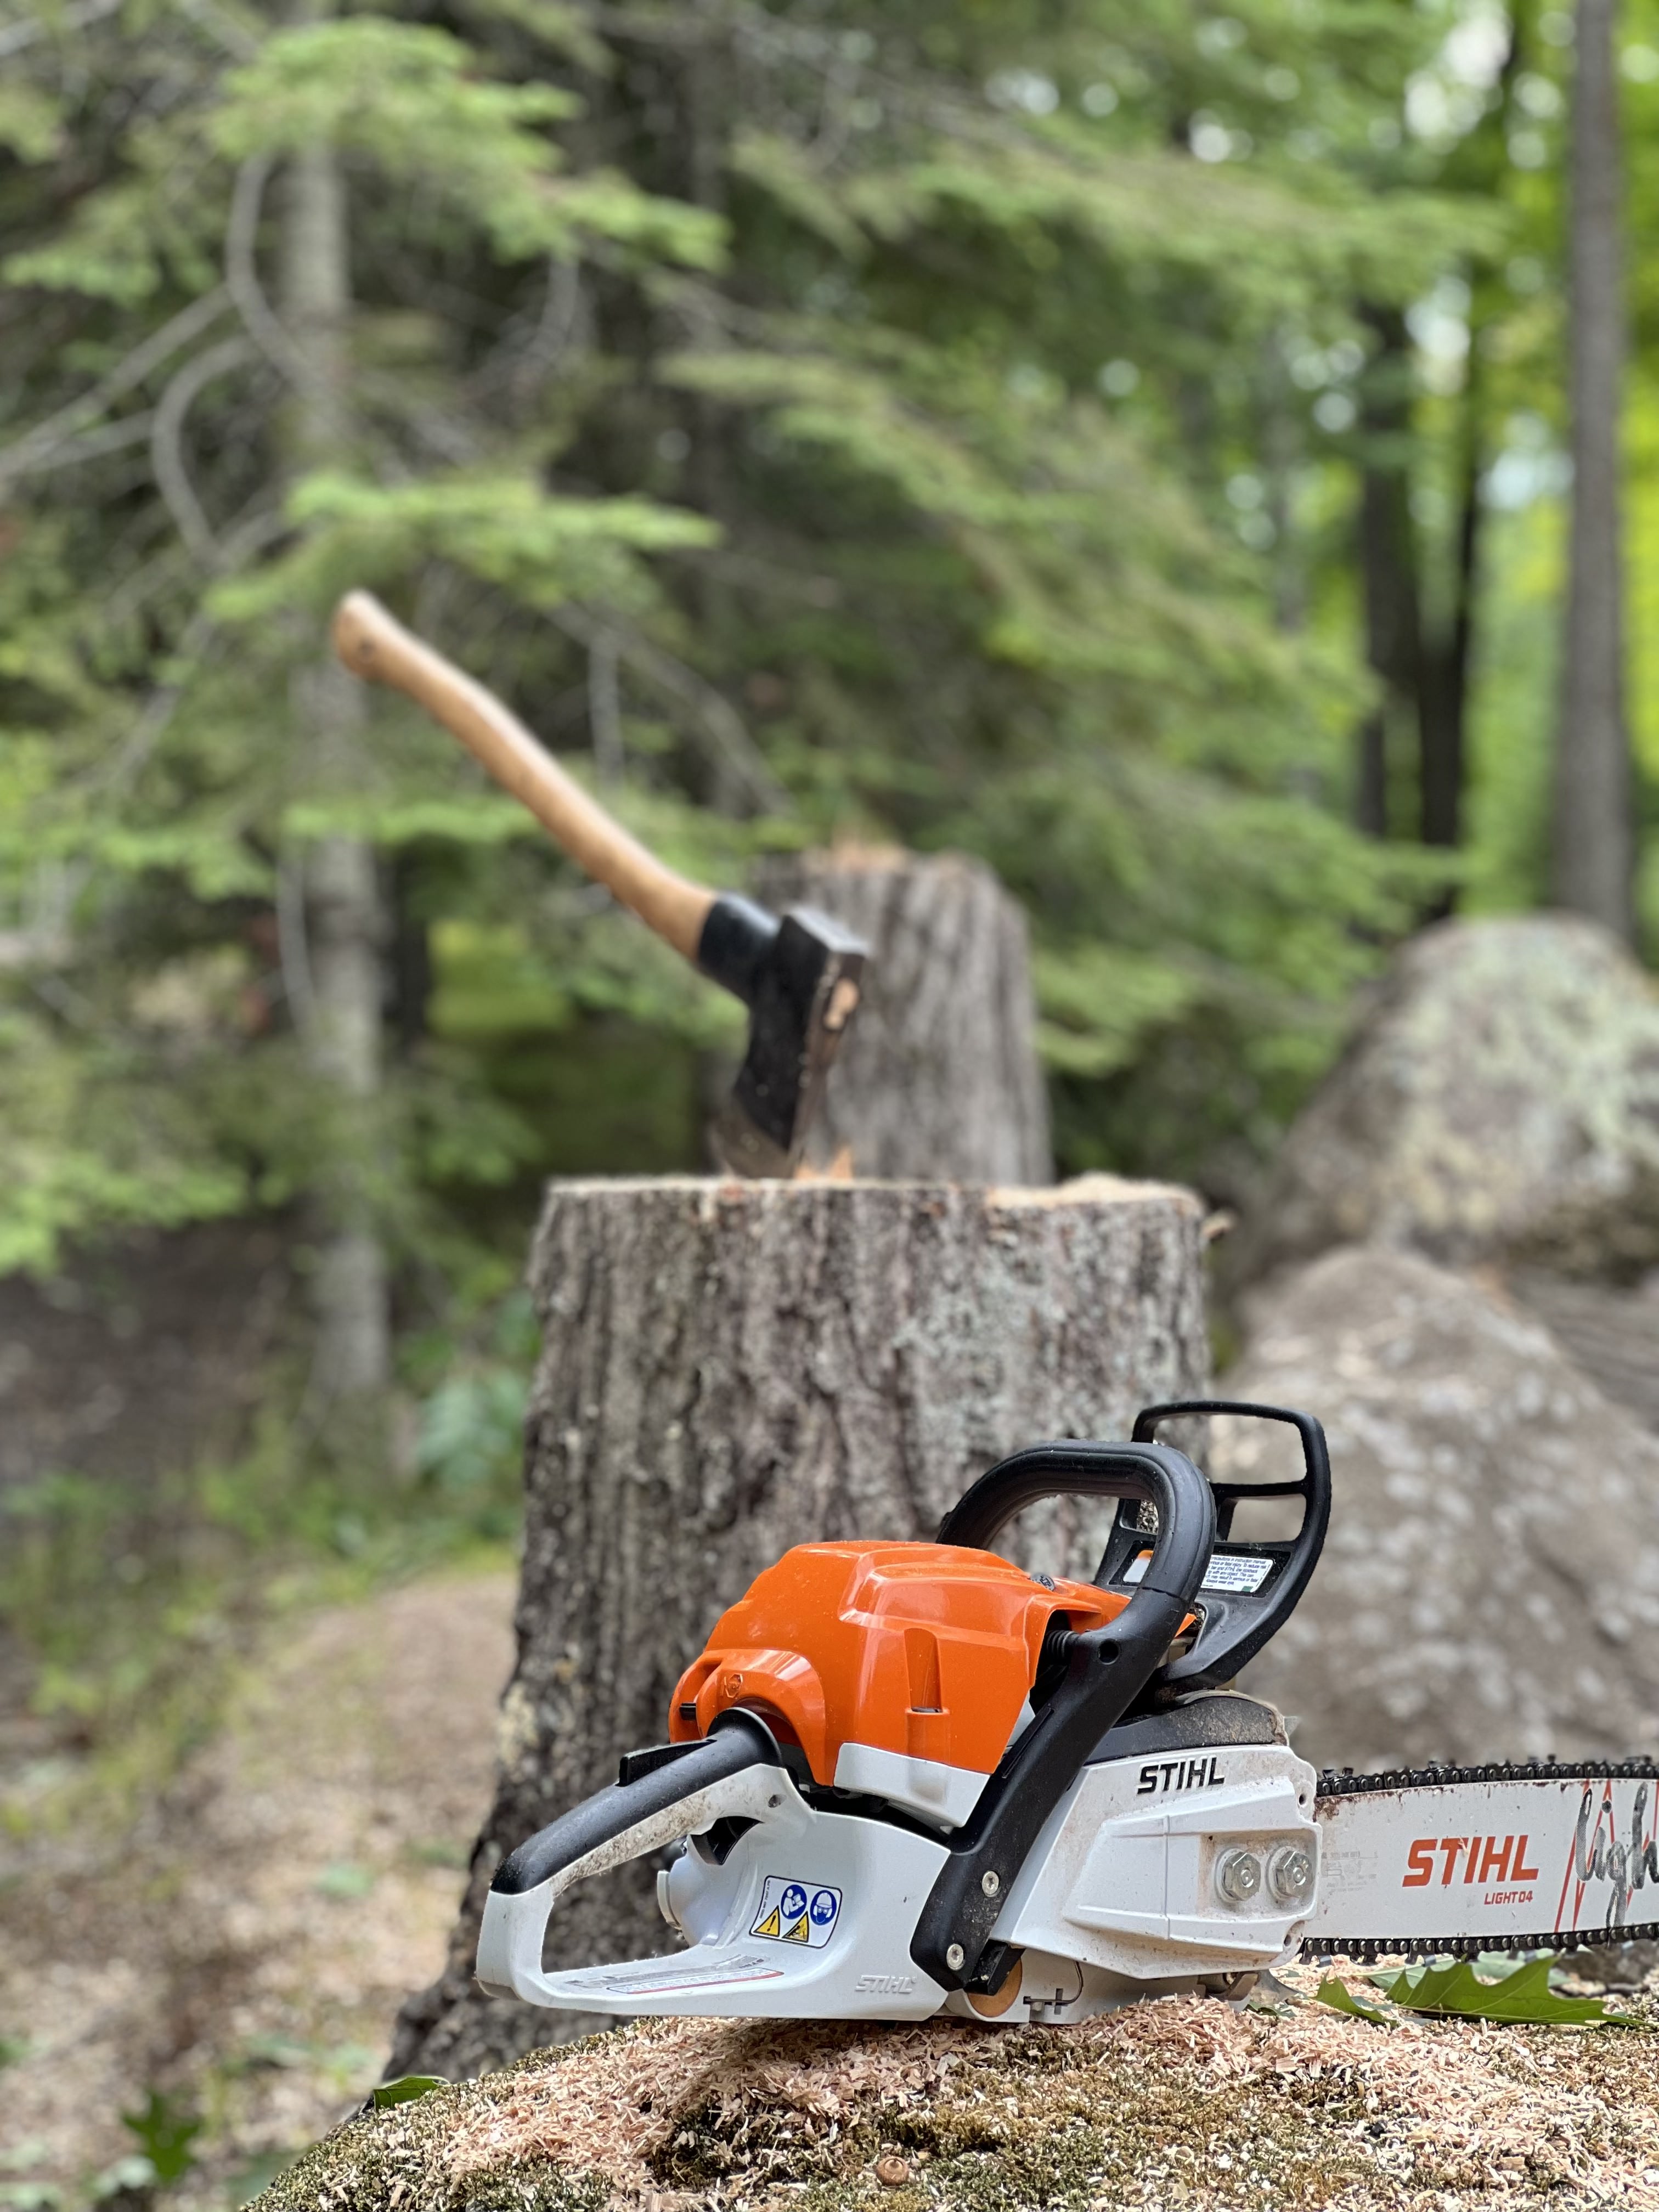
pixel 1186 2101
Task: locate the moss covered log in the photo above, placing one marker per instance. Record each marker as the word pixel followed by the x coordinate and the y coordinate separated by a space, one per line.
pixel 1188 2101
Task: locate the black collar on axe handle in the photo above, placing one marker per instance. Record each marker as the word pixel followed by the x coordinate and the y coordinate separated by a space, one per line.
pixel 799 976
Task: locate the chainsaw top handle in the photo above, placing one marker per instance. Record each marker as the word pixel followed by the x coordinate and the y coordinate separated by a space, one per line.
pixel 1106 1671
pixel 1250 1589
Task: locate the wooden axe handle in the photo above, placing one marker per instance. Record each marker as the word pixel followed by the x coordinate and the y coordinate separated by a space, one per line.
pixel 375 646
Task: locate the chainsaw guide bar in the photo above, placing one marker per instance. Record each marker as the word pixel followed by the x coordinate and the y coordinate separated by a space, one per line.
pixel 904 1779
pixel 1408 1786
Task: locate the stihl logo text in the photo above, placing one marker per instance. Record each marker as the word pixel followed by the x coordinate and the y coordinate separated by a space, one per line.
pixel 886 1985
pixel 1474 1861
pixel 1179 1774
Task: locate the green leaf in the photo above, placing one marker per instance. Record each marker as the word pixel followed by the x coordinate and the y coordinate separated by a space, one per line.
pixel 1516 1993
pixel 407 2088
pixel 1341 1998
pixel 165 2134
pixel 345 1881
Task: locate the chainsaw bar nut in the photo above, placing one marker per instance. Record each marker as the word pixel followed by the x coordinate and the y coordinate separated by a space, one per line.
pixel 1237 1876
pixel 1290 1873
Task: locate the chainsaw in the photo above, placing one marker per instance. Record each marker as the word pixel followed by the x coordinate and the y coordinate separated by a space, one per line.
pixel 907 1778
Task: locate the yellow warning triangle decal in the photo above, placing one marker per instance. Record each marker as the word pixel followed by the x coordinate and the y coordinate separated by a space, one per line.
pixel 798 1933
pixel 770 1925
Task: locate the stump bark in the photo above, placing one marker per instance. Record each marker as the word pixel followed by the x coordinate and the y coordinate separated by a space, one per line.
pixel 731 1369
pixel 940 1076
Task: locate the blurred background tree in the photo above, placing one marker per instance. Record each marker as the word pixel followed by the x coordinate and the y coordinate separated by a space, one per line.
pixel 1128 443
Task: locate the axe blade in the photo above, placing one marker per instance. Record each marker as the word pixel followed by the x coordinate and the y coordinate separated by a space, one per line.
pixel 800 977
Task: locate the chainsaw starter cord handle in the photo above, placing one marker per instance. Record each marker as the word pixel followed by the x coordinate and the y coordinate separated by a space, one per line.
pixel 1106 1670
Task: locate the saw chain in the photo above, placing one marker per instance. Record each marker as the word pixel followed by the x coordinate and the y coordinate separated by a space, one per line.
pixel 1404 1782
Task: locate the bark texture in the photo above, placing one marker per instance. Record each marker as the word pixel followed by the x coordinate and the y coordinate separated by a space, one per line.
pixel 731 1369
pixel 940 1077
pixel 1595 795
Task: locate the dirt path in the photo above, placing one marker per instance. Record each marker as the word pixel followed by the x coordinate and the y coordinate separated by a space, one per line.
pixel 242 1949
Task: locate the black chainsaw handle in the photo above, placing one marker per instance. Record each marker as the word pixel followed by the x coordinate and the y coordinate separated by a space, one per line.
pixel 1106 1670
pixel 1238 1623
pixel 1151 1473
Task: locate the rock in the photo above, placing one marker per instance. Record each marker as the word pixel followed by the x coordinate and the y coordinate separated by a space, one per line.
pixel 1612 1333
pixel 1500 1101
pixel 1490 1586
pixel 1187 2102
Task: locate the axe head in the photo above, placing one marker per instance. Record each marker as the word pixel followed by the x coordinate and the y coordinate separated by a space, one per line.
pixel 800 977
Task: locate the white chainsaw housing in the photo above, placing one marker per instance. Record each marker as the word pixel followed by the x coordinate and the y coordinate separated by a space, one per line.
pixel 810 1913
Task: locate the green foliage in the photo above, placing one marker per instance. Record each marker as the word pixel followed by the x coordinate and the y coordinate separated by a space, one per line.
pixel 1493 1987
pixel 407 2088
pixel 164 2133
pixel 1513 1992
pixel 1338 1995
pixel 472 1430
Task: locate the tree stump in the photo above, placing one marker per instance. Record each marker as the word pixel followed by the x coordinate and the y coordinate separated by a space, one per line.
pixel 939 1077
pixel 733 1368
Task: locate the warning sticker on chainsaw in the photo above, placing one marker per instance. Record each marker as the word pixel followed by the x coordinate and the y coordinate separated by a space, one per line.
pixel 1227 1571
pixel 797 1912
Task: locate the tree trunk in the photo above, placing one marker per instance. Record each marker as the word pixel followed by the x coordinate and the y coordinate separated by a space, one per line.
pixel 731 1369
pixel 1443 710
pixel 1388 560
pixel 940 1078
pixel 344 924
pixel 1594 855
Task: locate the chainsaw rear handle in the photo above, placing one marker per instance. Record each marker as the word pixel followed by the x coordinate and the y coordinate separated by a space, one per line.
pixel 735 1772
pixel 1106 1670
pixel 1238 1622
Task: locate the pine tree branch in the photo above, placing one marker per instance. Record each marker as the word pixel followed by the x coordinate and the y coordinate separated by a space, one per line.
pixel 711 711
pixel 167 451
pixel 259 317
pixel 81 414
pixel 233 36
pixel 14 36
pixel 604 708
pixel 248 537
pixel 110 438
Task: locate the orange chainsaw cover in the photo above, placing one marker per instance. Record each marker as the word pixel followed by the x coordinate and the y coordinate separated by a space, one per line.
pixel 926 1648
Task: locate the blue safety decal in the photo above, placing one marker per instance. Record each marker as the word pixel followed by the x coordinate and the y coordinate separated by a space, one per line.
pixel 792 1912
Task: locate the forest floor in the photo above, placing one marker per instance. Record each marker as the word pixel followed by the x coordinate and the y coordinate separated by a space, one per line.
pixel 233 1948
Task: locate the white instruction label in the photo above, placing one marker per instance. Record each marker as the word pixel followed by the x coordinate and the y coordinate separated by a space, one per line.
pixel 1227 1571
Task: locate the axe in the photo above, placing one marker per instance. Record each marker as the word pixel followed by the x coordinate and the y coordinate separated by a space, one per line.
pixel 799 975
